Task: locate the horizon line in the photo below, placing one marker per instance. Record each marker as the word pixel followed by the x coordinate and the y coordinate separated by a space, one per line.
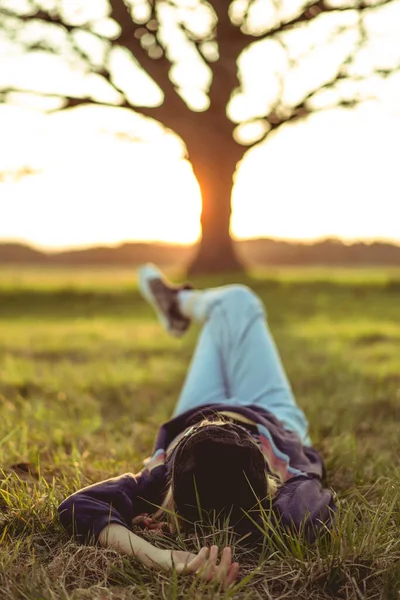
pixel 114 245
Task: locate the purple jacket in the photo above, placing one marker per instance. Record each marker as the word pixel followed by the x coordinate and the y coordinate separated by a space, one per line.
pixel 301 501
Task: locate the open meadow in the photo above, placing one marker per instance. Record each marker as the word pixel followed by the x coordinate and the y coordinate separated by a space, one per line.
pixel 87 375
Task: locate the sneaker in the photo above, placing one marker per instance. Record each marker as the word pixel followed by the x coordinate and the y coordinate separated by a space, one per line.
pixel 162 295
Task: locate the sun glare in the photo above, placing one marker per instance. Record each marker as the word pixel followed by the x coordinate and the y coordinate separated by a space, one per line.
pixel 93 184
pixel 99 188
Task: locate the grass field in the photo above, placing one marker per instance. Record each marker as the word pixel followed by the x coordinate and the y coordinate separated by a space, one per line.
pixel 86 376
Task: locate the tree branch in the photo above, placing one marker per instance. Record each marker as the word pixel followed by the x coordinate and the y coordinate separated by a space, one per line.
pixel 280 115
pixel 44 17
pixel 303 109
pixel 157 69
pixel 311 12
pixel 74 101
pixel 225 70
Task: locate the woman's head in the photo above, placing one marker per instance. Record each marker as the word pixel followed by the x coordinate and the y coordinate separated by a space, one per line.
pixel 218 469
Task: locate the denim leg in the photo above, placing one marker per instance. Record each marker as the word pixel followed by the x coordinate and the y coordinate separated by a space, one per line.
pixel 205 383
pixel 236 360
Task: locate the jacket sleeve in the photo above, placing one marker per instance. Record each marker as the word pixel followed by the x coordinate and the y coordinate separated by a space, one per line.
pixel 304 506
pixel 85 513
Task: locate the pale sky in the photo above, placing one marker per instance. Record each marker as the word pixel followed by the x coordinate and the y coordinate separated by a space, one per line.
pixel 335 174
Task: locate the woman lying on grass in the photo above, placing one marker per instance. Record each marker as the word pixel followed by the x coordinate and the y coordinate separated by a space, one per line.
pixel 236 448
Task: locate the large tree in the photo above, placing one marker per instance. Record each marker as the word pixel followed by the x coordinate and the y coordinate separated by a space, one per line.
pixel 228 73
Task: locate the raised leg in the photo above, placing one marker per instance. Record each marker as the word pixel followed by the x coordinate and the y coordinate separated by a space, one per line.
pixel 236 360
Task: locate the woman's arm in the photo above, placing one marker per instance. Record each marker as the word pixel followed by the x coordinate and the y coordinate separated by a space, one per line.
pixel 104 512
pixel 303 505
pixel 87 512
pixel 126 542
pixel 205 563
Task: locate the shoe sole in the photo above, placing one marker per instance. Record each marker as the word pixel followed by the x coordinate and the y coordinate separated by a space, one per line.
pixel 151 272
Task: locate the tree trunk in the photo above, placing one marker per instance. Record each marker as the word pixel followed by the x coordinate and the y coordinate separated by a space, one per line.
pixel 214 164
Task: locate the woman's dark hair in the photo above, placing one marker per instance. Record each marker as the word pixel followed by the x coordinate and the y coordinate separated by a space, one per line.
pixel 218 469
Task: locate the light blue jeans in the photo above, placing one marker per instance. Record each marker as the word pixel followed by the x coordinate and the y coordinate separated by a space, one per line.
pixel 236 361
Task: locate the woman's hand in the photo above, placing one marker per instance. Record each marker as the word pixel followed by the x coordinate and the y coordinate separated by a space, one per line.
pixel 145 522
pixel 205 565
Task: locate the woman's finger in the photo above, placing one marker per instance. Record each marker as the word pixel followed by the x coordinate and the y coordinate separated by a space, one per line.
pixel 232 575
pixel 197 563
pixel 156 526
pixel 222 570
pixel 139 519
pixel 209 569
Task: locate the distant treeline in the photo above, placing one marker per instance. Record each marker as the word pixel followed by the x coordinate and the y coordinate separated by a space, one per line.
pixel 259 252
